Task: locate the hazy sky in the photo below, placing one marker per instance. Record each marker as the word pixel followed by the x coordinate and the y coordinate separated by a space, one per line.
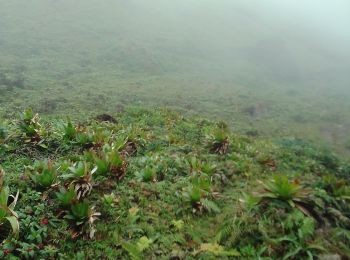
pixel 307 39
pixel 330 18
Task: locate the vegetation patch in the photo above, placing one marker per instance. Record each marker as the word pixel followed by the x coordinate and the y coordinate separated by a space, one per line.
pixel 156 185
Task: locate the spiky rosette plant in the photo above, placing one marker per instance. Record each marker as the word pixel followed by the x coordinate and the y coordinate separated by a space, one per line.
pixel 81 173
pixel 148 174
pixel 83 136
pixel 9 224
pixel 290 192
pixel 109 160
pixel 100 137
pixel 117 164
pixel 219 143
pixel 69 131
pixel 43 174
pixel 66 197
pixel 30 126
pixel 83 216
pixel 130 148
pixel 199 194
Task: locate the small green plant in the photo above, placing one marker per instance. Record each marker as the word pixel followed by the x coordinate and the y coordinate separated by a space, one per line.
pixel 69 131
pixel 336 187
pixel 117 164
pixel 109 199
pixel 81 173
pixel 135 250
pixel 198 194
pixel 83 136
pixel 30 125
pixel 301 230
pixel 250 202
pixel 84 217
pixel 66 196
pixel 108 160
pixel 44 174
pixel 7 214
pixel 80 212
pixel 197 166
pixel 219 143
pixel 281 189
pixel 147 175
pixel 100 136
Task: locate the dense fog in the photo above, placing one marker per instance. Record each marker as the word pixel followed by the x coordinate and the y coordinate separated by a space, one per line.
pixel 191 55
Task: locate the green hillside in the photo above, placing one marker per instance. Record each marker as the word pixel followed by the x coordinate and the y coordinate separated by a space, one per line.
pixel 154 184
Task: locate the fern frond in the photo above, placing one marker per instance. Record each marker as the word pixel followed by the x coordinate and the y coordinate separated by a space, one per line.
pixel 210 206
pixel 133 251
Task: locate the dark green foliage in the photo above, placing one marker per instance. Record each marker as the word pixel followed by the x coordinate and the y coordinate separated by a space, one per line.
pixel 66 197
pixel 80 211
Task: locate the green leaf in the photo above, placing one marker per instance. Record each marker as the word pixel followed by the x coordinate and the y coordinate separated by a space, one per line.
pixel 210 206
pixel 292 253
pixel 178 224
pixel 132 250
pixel 14 224
pixel 144 243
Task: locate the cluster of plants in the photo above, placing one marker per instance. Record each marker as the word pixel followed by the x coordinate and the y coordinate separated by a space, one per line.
pixel 153 184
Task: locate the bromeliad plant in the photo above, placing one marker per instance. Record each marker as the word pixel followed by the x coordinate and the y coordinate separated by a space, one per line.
pixel 281 189
pixel 84 137
pixel 109 161
pixel 197 166
pixel 66 196
pixel 43 174
pixel 219 141
pixel 100 137
pixel 9 224
pixel 30 126
pixel 81 173
pixel 84 217
pixel 70 131
pixel 147 174
pixel 199 194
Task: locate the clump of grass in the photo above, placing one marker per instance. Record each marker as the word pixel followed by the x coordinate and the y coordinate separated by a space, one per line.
pixel 147 175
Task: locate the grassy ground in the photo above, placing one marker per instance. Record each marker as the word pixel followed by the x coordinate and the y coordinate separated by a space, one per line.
pixel 269 111
pixel 156 184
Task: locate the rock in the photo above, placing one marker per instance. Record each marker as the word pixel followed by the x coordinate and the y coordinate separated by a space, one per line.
pixel 106 118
